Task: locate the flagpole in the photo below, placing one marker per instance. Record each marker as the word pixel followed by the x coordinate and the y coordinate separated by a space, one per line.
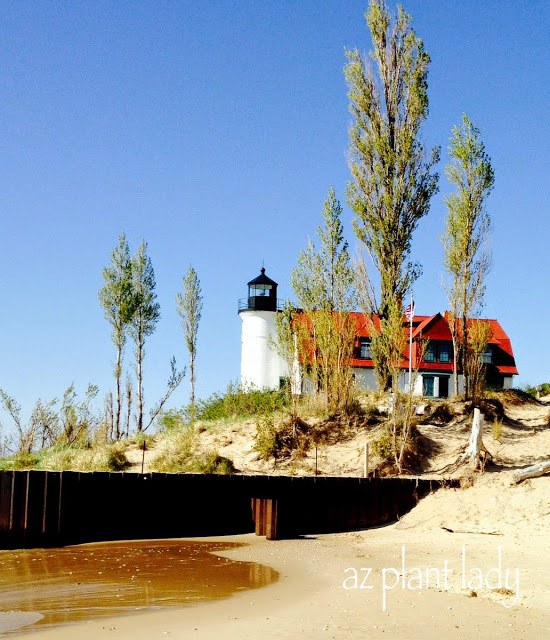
pixel 410 342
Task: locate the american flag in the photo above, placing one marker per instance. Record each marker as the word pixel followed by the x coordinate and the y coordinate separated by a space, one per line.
pixel 409 312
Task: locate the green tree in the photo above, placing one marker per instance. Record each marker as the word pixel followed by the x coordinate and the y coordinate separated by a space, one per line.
pixel 77 421
pixel 145 317
pixel 173 383
pixel 42 428
pixel 286 345
pixel 189 308
pixel 467 258
pixel 323 286
pixel 392 175
pixel 118 302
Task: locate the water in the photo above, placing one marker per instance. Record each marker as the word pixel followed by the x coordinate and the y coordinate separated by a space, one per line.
pixel 46 587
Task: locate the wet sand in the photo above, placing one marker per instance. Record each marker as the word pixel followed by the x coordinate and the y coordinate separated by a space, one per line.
pixel 48 587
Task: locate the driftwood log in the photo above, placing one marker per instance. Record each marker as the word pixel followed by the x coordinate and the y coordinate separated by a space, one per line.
pixel 535 471
pixel 476 454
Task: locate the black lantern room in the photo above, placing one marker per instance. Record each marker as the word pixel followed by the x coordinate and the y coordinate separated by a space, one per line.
pixel 262 293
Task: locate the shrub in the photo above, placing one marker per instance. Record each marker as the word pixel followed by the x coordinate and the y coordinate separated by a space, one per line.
pixel 141 439
pixel 382 444
pixel 212 462
pixel 266 438
pixel 176 451
pixel 178 455
pixel 542 389
pixel 60 459
pixel 25 460
pixel 116 460
pixel 293 436
pixel 172 419
pixel 516 396
pixel 237 402
pixel 531 391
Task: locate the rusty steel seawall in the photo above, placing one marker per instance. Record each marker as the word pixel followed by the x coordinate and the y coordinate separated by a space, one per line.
pixel 57 508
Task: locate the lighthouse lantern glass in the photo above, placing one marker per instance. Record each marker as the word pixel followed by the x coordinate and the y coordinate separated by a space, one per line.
pixel 259 290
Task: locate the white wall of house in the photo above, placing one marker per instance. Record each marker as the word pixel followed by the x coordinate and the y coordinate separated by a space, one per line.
pixel 365 379
pixel 261 365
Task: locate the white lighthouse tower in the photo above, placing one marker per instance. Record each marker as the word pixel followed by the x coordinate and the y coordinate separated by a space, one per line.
pixel 261 365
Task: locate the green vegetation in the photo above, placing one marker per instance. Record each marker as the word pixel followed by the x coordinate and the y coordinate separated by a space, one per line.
pixel 178 454
pixel 184 447
pixel 189 308
pixel 68 436
pixel 266 438
pixel 111 457
pixel 382 444
pixel 323 332
pixel 291 437
pixel 467 258
pixel 392 172
pixel 238 403
pixel 128 300
pixel 69 422
pixel 143 321
pixel 540 390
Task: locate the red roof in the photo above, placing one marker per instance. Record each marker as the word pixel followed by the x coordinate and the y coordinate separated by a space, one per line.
pixel 436 328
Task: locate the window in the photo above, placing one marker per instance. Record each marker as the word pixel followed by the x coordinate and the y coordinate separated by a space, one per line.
pixel 445 352
pixel 365 348
pixel 430 354
pixel 438 352
pixel 487 357
pixel 259 290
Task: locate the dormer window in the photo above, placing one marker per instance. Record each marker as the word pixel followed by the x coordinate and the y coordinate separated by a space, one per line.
pixel 430 355
pixel 445 353
pixel 487 356
pixel 438 352
pixel 365 348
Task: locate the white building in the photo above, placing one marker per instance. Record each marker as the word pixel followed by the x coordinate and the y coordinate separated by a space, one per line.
pixel 432 353
pixel 261 365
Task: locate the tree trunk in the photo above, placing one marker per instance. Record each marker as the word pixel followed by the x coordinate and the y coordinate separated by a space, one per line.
pixel 118 373
pixel 476 453
pixel 140 385
pixel 535 471
pixel 455 362
pixel 464 358
pixel 192 398
pixel 128 405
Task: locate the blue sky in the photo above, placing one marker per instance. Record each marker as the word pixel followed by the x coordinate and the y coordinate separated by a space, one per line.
pixel 214 130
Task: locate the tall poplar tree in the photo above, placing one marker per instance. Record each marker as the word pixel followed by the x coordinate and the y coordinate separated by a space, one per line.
pixel 323 286
pixel 467 258
pixel 392 175
pixel 118 302
pixel 145 317
pixel 189 308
